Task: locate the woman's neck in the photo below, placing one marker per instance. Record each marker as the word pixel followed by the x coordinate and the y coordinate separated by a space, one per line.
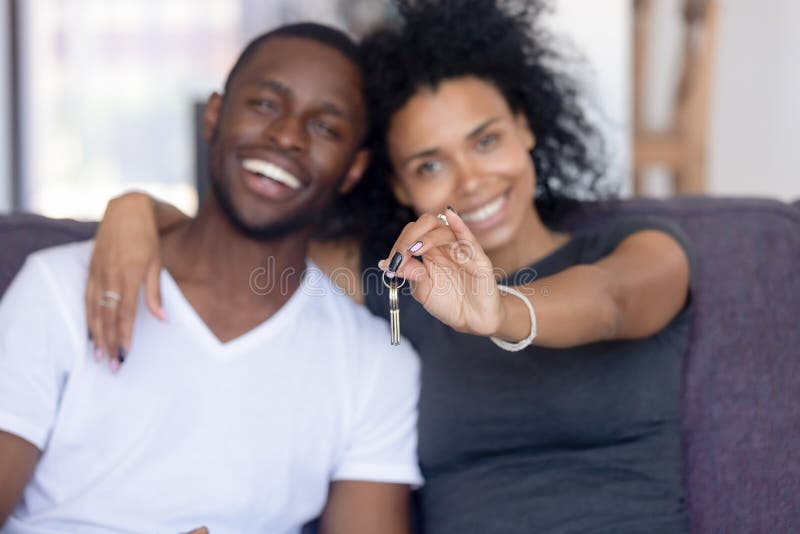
pixel 532 242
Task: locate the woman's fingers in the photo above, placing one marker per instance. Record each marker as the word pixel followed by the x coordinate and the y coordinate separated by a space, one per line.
pixel 469 248
pixel 152 290
pixel 409 238
pixel 96 325
pixel 109 301
pixel 440 236
pixel 91 317
pixel 459 227
pixel 126 312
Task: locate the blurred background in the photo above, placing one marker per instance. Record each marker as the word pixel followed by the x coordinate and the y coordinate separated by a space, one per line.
pixel 98 97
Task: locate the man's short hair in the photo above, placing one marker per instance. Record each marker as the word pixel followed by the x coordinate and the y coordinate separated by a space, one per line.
pixel 326 35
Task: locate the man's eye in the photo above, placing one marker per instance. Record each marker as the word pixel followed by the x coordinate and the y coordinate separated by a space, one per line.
pixel 264 104
pixel 324 128
pixel 487 141
pixel 429 168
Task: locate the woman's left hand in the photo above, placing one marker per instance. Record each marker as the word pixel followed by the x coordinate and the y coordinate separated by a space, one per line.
pixel 455 282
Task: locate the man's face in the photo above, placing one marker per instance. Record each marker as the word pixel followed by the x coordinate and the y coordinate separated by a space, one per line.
pixel 285 137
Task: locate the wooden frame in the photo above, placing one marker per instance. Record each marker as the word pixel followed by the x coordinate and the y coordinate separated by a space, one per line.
pixel 682 147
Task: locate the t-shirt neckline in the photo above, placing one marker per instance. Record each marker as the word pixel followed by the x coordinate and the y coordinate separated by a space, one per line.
pixel 181 309
pixel 545 265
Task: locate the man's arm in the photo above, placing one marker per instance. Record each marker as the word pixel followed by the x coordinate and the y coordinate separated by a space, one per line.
pixel 17 460
pixel 38 344
pixel 357 507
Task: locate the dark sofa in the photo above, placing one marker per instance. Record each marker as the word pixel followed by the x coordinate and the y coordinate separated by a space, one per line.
pixel 742 373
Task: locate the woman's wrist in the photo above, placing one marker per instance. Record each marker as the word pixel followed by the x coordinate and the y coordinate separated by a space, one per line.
pixel 515 324
pixel 135 200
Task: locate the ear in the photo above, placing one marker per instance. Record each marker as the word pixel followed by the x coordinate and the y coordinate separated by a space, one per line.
pixel 355 172
pixel 211 115
pixel 525 131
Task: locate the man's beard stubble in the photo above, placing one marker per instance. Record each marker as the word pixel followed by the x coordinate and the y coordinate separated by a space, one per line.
pixel 268 232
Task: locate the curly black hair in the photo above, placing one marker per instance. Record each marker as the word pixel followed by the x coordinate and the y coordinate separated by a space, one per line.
pixel 431 41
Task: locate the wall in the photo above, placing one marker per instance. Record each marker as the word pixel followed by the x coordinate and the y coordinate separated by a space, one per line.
pixel 597 31
pixel 5 119
pixel 755 115
pixel 755 120
pixel 600 32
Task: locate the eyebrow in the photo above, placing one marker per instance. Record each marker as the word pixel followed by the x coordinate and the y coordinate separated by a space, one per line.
pixel 327 106
pixel 475 132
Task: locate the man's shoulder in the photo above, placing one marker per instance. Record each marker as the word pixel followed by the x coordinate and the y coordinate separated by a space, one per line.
pixel 72 256
pixel 59 272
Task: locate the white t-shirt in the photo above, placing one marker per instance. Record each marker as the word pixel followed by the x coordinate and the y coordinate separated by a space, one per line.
pixel 242 436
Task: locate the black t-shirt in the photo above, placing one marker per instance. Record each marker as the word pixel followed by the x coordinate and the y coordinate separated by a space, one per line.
pixel 585 439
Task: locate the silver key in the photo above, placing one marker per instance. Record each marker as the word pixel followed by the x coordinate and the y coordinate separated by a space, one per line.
pixel 394 313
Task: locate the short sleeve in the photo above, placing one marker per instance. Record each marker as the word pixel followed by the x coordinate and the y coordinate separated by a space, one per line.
pixel 34 341
pixel 383 443
pixel 625 227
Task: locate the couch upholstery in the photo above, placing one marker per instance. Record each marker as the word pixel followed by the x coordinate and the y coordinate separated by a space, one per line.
pixel 742 372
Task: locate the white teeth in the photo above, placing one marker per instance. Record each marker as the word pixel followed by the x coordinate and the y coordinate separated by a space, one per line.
pixel 273 172
pixel 485 211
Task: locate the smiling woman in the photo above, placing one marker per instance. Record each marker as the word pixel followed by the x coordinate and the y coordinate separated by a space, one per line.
pixel 461 144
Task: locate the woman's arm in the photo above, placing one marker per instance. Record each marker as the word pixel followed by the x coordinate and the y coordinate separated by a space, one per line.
pixel 634 292
pixel 126 255
pixel 631 293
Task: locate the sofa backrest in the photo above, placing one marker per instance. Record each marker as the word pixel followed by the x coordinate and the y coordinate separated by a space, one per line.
pixel 741 406
pixel 21 234
pixel 742 372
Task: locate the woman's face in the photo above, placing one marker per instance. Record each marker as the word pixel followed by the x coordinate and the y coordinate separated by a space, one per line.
pixel 461 145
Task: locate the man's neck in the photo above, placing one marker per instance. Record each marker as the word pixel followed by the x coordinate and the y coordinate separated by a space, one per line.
pixel 234 282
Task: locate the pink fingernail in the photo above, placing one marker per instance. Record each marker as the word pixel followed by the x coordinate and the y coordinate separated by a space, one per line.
pixel 390 275
pixel 415 247
pixel 98 355
pixel 114 365
pixel 162 314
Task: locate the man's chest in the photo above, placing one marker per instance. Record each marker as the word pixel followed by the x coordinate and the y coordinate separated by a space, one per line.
pixel 230 438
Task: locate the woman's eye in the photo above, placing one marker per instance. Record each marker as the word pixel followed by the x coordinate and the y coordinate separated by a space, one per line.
pixel 429 168
pixel 487 141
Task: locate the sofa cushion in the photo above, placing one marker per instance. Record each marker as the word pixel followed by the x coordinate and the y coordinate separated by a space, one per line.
pixel 742 372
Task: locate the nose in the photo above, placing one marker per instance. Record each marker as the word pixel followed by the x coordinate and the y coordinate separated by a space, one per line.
pixel 468 176
pixel 288 133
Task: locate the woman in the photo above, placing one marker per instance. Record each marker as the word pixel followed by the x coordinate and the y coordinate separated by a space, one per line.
pixel 581 430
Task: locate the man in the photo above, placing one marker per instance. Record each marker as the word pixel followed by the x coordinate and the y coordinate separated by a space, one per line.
pixel 259 406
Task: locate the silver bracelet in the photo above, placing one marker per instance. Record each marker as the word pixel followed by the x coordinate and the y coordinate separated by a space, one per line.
pixel 514 347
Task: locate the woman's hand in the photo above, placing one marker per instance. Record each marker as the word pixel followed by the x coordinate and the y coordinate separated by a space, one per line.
pixel 126 254
pixel 455 282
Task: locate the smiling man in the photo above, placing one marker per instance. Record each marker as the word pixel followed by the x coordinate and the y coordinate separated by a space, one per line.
pixel 231 416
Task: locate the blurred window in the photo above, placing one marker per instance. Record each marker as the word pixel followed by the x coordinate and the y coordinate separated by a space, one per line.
pixel 108 92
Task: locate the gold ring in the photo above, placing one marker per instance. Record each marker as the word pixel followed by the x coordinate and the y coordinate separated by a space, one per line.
pixel 110 299
pixel 112 295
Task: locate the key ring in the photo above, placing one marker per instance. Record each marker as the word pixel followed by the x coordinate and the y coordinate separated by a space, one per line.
pixel 387 284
